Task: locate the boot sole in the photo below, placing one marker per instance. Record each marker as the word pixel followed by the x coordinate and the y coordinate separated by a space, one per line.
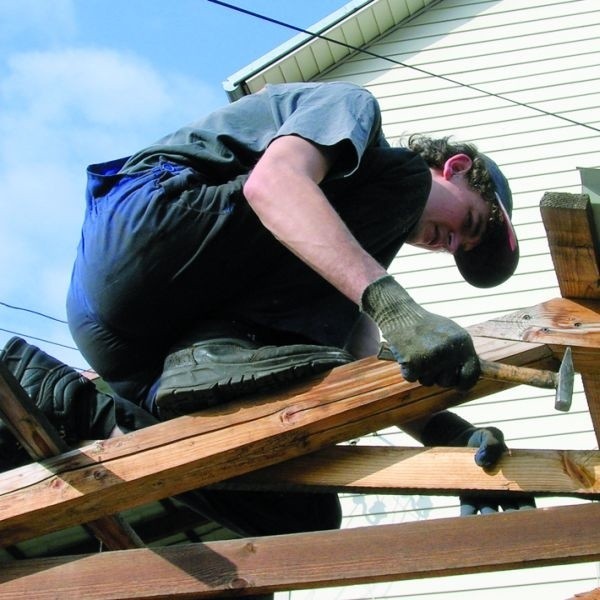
pixel 184 389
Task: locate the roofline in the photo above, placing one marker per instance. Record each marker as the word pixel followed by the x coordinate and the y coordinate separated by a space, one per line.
pixel 234 84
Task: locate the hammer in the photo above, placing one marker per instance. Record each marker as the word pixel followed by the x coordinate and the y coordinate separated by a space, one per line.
pixel 562 381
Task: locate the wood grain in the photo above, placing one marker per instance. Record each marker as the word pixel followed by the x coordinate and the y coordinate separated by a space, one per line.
pixel 433 548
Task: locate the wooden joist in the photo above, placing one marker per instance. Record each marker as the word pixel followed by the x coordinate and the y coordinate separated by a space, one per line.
pixel 573 239
pixel 41 440
pixel 591 595
pixel 572 236
pixel 194 451
pixel 434 548
pixel 430 471
pixel 558 323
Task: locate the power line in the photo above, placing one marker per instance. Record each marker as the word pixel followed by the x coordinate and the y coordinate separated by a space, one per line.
pixel 32 337
pixel 399 63
pixel 39 339
pixel 33 312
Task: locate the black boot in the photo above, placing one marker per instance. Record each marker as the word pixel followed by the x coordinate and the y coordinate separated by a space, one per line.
pixel 69 400
pixel 219 362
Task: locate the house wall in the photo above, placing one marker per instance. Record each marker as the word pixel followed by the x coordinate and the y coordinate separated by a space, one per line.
pixel 543 53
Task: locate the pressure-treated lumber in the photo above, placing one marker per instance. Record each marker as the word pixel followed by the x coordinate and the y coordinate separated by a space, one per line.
pixel 27 423
pixel 573 241
pixel 591 595
pixel 570 229
pixel 41 440
pixel 430 471
pixel 591 387
pixel 434 548
pixel 559 323
pixel 193 451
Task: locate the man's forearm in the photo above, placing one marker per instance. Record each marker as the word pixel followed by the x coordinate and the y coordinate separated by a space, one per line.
pixel 283 190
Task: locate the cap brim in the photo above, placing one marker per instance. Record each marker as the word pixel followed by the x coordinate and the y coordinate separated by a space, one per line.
pixel 494 259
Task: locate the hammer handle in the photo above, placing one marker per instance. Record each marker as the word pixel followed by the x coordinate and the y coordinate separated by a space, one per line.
pixel 514 374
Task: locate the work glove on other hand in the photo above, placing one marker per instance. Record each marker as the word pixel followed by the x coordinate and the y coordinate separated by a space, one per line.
pixel 448 429
pixel 430 348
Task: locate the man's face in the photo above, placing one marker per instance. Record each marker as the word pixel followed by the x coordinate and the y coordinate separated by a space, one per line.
pixel 454 217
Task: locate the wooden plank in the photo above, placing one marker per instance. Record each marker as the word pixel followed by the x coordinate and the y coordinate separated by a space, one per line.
pixel 591 595
pixel 591 387
pixel 573 241
pixel 24 419
pixel 196 450
pixel 559 322
pixel 570 229
pixel 41 440
pixel 431 471
pixel 519 539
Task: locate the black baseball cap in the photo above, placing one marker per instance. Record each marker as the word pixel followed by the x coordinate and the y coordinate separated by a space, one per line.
pixel 496 257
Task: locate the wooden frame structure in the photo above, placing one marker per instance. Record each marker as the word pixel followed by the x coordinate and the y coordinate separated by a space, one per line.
pixel 288 439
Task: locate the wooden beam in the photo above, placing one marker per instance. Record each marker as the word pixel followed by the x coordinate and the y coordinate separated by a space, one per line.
pixel 591 387
pixel 571 233
pixel 591 595
pixel 26 421
pixel 573 241
pixel 559 323
pixel 530 538
pixel 196 450
pixel 41 440
pixel 430 471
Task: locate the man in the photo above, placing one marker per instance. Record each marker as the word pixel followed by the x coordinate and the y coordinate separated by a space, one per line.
pixel 272 222
pixel 250 249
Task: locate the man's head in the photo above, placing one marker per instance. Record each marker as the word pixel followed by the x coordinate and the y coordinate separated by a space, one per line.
pixel 468 213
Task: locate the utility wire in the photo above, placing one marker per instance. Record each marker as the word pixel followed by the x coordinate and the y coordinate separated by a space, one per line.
pixel 399 63
pixel 33 312
pixel 39 339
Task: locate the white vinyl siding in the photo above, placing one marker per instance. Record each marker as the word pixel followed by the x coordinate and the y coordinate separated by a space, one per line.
pixel 543 53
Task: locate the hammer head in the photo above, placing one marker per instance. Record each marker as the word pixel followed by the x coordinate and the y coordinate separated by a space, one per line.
pixel 565 381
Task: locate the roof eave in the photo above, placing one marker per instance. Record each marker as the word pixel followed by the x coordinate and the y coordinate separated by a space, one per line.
pixel 309 54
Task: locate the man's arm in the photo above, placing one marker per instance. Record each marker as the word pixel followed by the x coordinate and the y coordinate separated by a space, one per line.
pixel 283 190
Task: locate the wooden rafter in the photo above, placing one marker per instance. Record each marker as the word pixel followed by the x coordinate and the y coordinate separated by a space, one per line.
pixel 41 440
pixel 573 240
pixel 430 471
pixel 315 560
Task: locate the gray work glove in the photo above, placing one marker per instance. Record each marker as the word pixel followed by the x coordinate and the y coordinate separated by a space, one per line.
pixel 430 349
pixel 448 429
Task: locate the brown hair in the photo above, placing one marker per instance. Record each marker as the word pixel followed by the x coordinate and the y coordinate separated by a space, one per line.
pixel 436 151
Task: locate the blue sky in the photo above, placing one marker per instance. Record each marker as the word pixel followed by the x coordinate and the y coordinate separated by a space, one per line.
pixel 83 81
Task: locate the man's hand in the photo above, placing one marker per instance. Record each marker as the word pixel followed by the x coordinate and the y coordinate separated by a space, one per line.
pixel 491 446
pixel 430 348
pixel 448 429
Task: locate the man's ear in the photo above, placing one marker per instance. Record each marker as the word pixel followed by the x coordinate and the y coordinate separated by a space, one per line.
pixel 456 164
